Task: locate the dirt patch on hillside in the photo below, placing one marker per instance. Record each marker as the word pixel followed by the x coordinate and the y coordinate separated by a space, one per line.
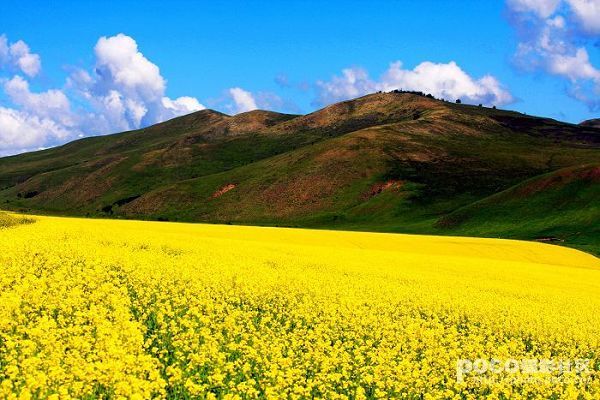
pixel 301 194
pixel 338 154
pixel 559 179
pixel 220 192
pixel 381 187
pixel 148 159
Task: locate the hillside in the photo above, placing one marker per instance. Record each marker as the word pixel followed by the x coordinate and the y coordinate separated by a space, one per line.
pixel 594 123
pixel 397 162
pixel 558 206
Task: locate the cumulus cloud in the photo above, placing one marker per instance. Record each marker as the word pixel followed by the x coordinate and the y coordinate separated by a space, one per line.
pixel 574 66
pixel 238 100
pixel 587 13
pixel 181 105
pixel 120 65
pixel 242 100
pixel 41 118
pixel 446 81
pixel 22 131
pixel 50 104
pixel 17 56
pixel 124 90
pixel 554 36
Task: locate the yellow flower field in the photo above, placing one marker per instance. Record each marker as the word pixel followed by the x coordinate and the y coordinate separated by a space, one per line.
pixel 126 309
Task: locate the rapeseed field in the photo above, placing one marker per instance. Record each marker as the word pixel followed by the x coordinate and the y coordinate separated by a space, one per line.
pixel 126 309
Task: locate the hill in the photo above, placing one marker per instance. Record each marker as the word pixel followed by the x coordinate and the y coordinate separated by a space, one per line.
pixel 559 206
pixel 398 162
pixel 595 123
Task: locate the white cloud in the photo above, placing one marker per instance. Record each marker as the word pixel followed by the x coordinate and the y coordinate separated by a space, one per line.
pixel 543 8
pixel 354 82
pixel 242 99
pixel 446 81
pixel 587 13
pixel 553 38
pixel 20 131
pixel 124 91
pixel 52 103
pixel 43 118
pixel 182 105
pixel 18 56
pixel 126 88
pixel 120 65
pixel 238 100
pixel 575 67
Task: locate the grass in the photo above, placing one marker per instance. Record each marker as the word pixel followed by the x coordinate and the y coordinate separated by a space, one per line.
pixel 7 220
pixel 319 170
pixel 561 207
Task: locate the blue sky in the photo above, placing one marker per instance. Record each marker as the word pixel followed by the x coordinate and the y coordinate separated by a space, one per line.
pixel 234 56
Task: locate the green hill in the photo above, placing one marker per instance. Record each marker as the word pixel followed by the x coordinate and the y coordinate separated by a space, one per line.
pixel 398 162
pixel 561 206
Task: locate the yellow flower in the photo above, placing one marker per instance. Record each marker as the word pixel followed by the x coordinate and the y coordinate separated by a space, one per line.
pixel 126 309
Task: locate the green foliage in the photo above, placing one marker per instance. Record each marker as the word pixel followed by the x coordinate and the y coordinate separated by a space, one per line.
pixel 561 207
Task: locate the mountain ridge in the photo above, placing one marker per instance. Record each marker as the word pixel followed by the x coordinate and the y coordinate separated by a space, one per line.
pixel 594 123
pixel 397 162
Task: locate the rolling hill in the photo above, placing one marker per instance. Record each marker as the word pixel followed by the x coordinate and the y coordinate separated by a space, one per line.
pixel 558 206
pixel 595 123
pixel 399 162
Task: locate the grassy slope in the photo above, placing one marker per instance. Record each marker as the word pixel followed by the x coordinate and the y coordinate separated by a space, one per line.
pixel 438 169
pixel 87 175
pixel 562 206
pixel 386 162
pixel 591 123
